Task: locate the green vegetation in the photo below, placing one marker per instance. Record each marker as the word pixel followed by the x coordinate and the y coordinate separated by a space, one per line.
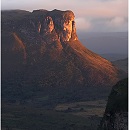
pixel 20 117
pixel 41 72
pixel 84 109
pixel 36 108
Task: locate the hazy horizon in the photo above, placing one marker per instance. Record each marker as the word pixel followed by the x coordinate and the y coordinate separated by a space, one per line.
pixel 105 42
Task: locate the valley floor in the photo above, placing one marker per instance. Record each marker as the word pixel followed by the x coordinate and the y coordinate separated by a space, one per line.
pixel 68 116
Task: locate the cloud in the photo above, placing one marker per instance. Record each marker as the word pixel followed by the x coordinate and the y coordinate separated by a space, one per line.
pixel 83 24
pixel 114 24
pixel 82 8
pixel 89 14
pixel 110 8
pixel 117 21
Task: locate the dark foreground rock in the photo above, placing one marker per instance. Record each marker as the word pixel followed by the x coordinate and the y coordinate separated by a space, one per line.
pixel 116 113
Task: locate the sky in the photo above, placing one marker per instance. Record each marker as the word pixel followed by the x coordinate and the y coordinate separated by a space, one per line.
pixel 90 15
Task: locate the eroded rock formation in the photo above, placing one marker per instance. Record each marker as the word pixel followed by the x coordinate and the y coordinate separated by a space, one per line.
pixel 48 25
pixel 46 49
pixel 63 24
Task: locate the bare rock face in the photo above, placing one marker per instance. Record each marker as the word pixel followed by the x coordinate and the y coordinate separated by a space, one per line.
pixel 43 47
pixel 118 121
pixel 67 27
pixel 55 22
pixel 116 113
pixel 63 24
pixel 48 25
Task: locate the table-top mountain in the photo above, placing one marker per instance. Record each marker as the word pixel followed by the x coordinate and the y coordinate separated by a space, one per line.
pixel 42 47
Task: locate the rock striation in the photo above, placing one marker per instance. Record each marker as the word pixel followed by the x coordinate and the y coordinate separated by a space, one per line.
pixel 42 46
pixel 57 22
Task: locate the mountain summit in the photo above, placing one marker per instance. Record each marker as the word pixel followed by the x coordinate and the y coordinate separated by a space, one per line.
pixel 42 47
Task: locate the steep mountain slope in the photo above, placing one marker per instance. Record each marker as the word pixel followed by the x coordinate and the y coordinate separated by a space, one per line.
pixel 42 48
pixel 116 113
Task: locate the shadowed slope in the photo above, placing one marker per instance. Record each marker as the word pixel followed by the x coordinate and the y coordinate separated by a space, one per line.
pixel 51 54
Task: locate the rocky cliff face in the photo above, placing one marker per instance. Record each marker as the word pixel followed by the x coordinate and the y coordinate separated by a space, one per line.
pixel 43 47
pixel 44 23
pixel 116 113
pixel 63 25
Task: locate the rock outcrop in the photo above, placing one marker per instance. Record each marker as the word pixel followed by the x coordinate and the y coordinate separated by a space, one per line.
pixel 116 113
pixel 43 46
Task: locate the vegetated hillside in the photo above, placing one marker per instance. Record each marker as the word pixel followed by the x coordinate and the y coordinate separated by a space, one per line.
pixel 45 44
pixel 43 65
pixel 116 113
pixel 122 64
pixel 40 50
